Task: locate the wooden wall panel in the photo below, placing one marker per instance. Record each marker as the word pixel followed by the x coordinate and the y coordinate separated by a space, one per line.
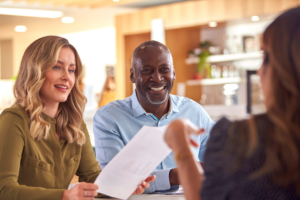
pixel 272 6
pixel 216 10
pixel 188 13
pixel 234 9
pixel 287 4
pixel 120 60
pixel 180 42
pixel 201 15
pixel 132 42
pixel 253 7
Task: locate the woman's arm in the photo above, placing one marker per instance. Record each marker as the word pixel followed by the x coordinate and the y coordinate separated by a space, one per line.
pixel 190 172
pixel 89 168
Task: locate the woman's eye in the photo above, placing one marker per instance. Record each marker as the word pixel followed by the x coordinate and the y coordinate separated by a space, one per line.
pixel 56 67
pixel 71 70
pixel 266 58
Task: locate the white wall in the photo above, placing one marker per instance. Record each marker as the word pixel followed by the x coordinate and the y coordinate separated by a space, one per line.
pixel 97 50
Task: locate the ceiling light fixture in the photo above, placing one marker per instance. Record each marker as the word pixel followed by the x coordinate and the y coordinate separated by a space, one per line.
pixel 212 24
pixel 30 12
pixel 255 18
pixel 67 20
pixel 20 28
pixel 116 0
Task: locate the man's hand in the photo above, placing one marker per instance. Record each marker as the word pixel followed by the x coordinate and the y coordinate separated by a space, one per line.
pixel 173 177
pixel 145 184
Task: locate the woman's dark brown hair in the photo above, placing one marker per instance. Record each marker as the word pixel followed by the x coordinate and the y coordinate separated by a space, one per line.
pixel 281 132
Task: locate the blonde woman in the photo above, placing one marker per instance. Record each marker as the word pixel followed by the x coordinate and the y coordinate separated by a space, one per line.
pixel 257 158
pixel 43 139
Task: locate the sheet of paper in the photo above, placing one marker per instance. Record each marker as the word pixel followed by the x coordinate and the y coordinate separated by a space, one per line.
pixel 134 163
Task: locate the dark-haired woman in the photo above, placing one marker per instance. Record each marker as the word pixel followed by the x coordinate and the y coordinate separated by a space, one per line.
pixel 258 158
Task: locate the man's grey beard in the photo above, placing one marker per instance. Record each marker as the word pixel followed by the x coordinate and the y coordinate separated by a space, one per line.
pixel 157 102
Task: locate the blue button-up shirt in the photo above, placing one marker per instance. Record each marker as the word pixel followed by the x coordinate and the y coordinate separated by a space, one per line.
pixel 116 124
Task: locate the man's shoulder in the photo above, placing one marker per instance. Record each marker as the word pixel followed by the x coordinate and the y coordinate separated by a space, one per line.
pixel 184 101
pixel 117 105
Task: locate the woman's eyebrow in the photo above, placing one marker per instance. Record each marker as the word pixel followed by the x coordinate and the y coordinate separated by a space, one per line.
pixel 61 62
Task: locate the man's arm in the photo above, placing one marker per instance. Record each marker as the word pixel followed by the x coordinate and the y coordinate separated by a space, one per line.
pixel 108 142
pixel 207 123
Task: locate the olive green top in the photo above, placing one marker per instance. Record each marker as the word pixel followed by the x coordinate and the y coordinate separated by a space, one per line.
pixel 42 169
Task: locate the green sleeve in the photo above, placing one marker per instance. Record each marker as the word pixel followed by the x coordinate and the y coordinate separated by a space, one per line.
pixel 11 148
pixel 88 169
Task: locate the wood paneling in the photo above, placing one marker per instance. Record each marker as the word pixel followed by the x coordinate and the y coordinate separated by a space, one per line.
pixel 82 3
pixel 132 42
pixel 180 42
pixel 254 7
pixel 287 4
pixel 272 6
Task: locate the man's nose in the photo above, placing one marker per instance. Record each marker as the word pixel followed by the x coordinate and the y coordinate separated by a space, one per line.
pixel 156 76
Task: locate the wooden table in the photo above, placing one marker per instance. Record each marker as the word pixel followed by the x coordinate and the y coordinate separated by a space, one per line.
pixel 151 197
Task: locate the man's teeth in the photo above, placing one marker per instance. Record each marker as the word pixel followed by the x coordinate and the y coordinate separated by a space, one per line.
pixel 59 86
pixel 157 89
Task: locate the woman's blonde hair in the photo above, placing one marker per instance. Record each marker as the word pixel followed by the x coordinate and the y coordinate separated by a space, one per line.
pixel 279 131
pixel 39 57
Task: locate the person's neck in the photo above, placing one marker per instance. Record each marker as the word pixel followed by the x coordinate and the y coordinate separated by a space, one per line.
pixel 158 110
pixel 51 109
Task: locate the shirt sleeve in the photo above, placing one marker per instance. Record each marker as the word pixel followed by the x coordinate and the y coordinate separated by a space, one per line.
pixel 11 148
pixel 216 181
pixel 88 169
pixel 207 123
pixel 161 183
pixel 108 141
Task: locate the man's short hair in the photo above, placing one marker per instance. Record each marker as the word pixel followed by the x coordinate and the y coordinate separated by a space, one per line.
pixel 144 45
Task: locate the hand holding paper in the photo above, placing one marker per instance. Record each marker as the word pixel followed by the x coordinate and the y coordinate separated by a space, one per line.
pixel 134 163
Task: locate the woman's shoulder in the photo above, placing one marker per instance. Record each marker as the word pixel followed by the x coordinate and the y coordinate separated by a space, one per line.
pixel 15 113
pixel 219 132
pixel 224 125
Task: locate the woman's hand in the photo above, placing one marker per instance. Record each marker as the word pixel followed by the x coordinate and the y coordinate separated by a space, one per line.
pixel 82 191
pixel 145 184
pixel 178 133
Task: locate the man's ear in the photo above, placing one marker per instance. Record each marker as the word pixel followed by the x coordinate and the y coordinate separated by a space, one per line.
pixel 174 74
pixel 132 78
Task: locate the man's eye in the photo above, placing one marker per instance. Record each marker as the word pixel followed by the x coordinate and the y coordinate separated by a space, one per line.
pixel 146 70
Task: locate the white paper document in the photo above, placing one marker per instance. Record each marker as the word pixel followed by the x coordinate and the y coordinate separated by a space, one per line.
pixel 134 163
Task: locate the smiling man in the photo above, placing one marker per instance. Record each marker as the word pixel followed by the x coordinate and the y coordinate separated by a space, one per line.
pixel 151 104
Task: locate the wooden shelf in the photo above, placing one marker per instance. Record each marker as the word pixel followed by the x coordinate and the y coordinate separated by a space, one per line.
pixel 213 81
pixel 227 57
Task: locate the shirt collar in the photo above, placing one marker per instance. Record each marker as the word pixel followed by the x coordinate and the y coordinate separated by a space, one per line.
pixel 138 110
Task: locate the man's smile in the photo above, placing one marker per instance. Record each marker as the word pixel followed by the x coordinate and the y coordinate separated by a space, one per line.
pixel 157 88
